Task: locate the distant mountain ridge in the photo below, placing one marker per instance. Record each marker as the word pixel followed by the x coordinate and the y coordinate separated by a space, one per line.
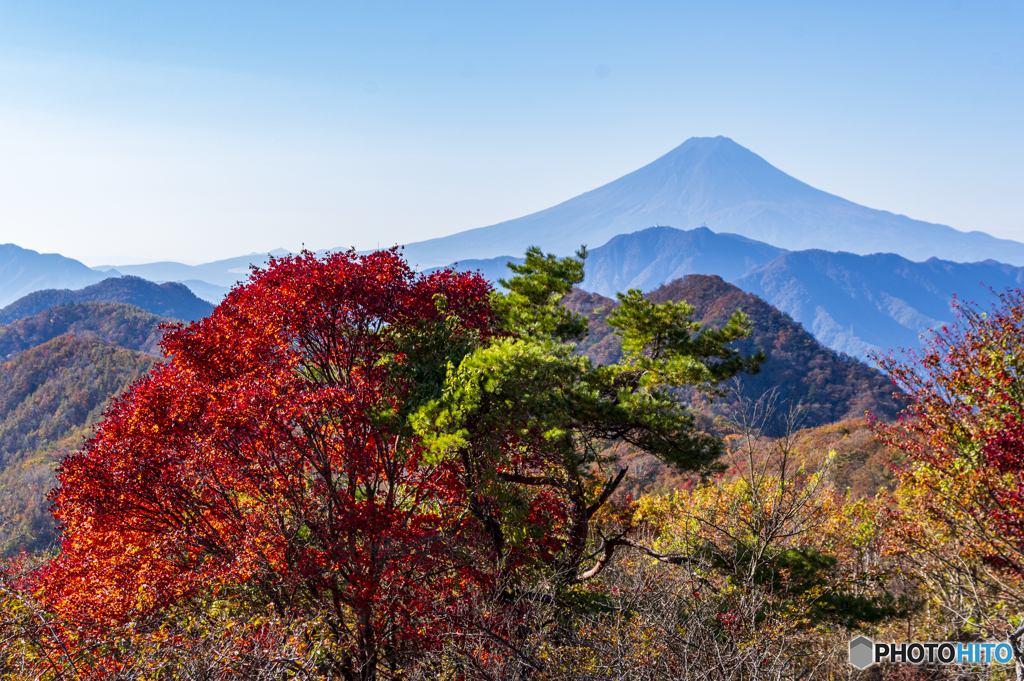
pixel 220 274
pixel 493 269
pixel 860 303
pixel 731 189
pixel 657 255
pixel 169 299
pixel 23 271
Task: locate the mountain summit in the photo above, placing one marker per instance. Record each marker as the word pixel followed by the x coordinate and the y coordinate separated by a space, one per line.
pixel 716 181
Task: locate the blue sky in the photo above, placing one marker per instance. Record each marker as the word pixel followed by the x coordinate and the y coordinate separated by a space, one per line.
pixel 140 131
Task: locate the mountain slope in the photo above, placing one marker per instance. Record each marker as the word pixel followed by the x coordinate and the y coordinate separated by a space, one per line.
pixel 855 303
pixel 50 396
pixel 831 386
pixel 113 323
pixel 492 269
pixel 651 257
pixel 169 299
pixel 23 271
pixel 211 293
pixel 718 182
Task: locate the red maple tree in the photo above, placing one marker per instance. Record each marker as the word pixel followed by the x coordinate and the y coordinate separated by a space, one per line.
pixel 271 455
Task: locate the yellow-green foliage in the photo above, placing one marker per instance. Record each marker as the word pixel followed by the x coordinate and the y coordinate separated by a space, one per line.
pixel 50 397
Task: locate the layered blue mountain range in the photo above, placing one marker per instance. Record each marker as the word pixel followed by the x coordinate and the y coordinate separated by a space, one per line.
pixel 717 182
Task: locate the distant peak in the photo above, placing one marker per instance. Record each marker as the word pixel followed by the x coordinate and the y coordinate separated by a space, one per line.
pixel 696 150
pixel 707 142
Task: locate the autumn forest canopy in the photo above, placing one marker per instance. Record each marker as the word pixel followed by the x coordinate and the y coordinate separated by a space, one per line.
pixel 353 470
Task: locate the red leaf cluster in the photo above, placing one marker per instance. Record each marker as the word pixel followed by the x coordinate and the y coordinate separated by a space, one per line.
pixel 272 454
pixel 963 431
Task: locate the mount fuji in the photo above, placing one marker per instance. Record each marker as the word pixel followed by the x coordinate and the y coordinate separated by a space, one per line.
pixel 717 182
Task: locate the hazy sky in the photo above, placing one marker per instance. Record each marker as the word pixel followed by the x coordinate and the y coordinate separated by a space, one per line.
pixel 139 131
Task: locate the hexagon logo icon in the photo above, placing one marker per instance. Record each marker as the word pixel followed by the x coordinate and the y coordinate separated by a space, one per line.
pixel 861 649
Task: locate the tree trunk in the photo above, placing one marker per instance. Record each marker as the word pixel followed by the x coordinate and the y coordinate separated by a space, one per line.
pixel 367 642
pixel 1018 654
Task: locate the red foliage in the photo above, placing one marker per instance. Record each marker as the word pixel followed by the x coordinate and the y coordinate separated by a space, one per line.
pixel 963 431
pixel 272 454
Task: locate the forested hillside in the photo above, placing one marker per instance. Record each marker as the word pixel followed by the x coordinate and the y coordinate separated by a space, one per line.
pixel 61 366
pixel 169 299
pixel 862 466
pixel 50 396
pixel 830 386
pixel 112 323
